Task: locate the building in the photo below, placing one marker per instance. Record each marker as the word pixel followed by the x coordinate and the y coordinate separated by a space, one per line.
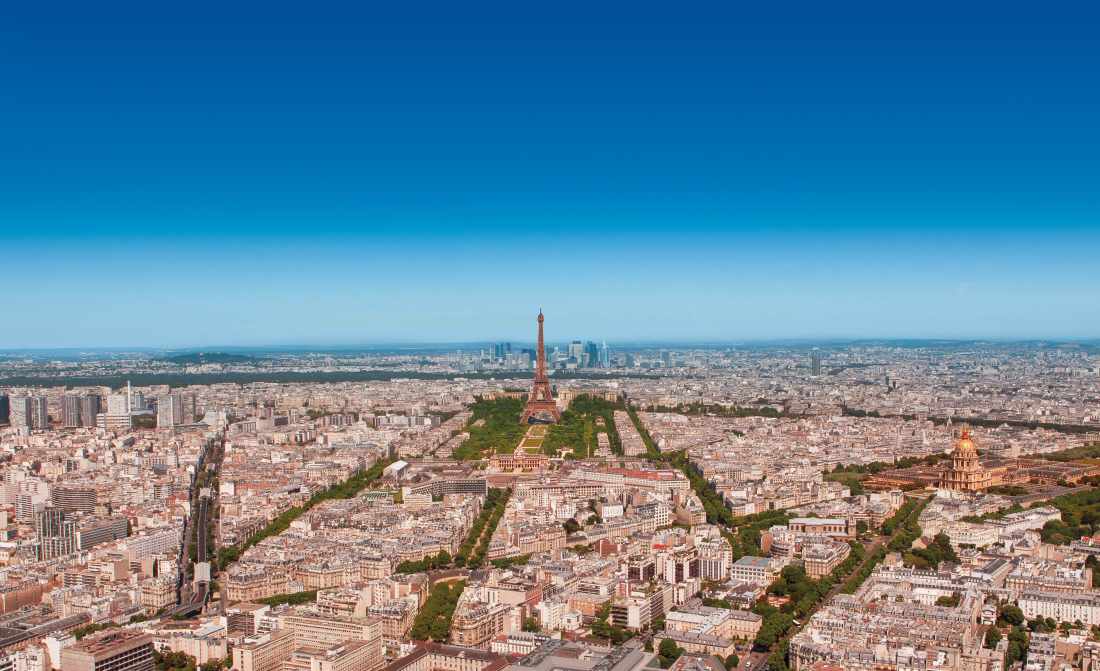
pixel 90 407
pixel 439 487
pixel 22 413
pixel 756 570
pixel 891 634
pixel 118 650
pixel 439 657
pixel 157 593
pixel 94 531
pixel 266 652
pixel 524 462
pixel 152 543
pixel 1061 606
pixel 475 623
pixel 711 631
pixel 118 415
pixel 70 411
pixel 347 656
pixel 5 409
pixel 644 605
pixel 73 499
pixel 56 535
pixel 40 413
pixel 310 628
pixel 169 411
pixel 816 526
pixel 561 655
pixel 821 559
pixel 205 641
pixel 966 472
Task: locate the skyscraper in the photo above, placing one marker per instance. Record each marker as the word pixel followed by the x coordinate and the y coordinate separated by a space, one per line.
pixel 169 411
pixel 592 352
pixel 5 409
pixel 40 412
pixel 118 404
pixel 815 363
pixel 189 414
pixel 576 351
pixel 21 414
pixel 70 411
pixel 90 406
pixel 118 412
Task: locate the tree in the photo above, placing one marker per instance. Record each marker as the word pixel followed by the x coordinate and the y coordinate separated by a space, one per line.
pixel 668 651
pixel 1017 645
pixel 530 624
pixel 733 661
pixel 1012 615
pixel 992 638
pixel 948 601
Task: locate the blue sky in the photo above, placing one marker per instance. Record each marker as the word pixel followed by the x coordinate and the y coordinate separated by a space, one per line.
pixel 283 173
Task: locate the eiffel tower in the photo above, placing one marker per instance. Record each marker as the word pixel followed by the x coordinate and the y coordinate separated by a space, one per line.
pixel 541 408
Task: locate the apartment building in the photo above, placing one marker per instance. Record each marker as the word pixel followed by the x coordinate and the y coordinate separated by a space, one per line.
pixel 121 650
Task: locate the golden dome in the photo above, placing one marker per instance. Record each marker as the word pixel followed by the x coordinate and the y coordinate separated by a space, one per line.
pixel 965 446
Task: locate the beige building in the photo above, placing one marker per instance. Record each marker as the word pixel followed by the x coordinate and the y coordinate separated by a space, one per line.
pixel 438 657
pixel 252 585
pixel 477 622
pixel 820 559
pixel 121 650
pixel 966 472
pixel 711 631
pixel 347 656
pixel 156 594
pixel 263 653
pixel 817 526
pixel 324 630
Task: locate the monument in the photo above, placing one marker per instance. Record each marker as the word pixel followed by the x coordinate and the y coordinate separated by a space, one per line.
pixel 541 408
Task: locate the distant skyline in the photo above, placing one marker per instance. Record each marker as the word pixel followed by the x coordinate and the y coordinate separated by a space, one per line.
pixel 276 175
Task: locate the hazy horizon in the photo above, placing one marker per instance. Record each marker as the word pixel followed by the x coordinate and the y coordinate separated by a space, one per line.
pixel 637 343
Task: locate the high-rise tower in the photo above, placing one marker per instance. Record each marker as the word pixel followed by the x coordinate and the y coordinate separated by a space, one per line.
pixel 540 402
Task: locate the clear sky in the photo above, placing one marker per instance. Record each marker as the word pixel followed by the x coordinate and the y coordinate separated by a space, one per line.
pixel 296 173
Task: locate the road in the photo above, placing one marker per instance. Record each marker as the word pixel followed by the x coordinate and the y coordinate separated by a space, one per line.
pixel 192 595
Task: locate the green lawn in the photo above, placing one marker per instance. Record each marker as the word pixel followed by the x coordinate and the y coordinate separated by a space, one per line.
pixel 500 432
pixel 579 427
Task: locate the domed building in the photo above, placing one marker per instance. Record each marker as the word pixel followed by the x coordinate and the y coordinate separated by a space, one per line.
pixel 966 472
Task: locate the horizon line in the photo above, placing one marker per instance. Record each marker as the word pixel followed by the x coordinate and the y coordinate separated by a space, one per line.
pixel 214 348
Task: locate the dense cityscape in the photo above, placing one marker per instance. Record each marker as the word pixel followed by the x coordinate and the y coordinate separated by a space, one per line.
pixel 862 505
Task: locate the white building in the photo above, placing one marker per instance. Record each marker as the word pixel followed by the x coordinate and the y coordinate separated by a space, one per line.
pixel 1061 606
